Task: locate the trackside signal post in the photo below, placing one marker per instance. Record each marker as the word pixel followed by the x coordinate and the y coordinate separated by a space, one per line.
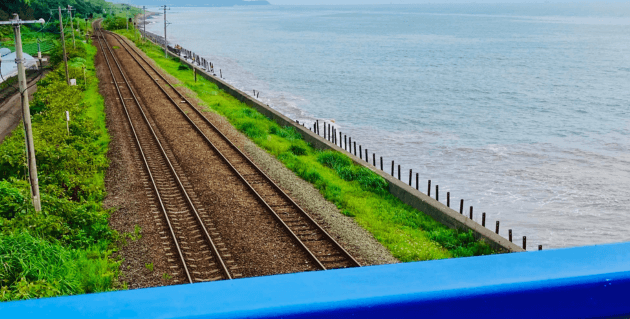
pixel 26 112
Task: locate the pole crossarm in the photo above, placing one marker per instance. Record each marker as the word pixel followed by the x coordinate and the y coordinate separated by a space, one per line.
pixel 20 22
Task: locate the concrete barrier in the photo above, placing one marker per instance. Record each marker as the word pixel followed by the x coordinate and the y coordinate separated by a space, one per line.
pixel 402 191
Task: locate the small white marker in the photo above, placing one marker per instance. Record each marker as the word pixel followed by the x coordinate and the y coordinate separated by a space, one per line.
pixel 68 122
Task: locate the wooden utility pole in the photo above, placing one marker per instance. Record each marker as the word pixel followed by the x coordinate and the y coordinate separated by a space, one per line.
pixel 63 43
pixel 127 15
pixel 26 112
pixel 72 26
pixel 165 41
pixel 144 20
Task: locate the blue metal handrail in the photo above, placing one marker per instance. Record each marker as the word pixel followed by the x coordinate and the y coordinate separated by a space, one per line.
pixel 582 282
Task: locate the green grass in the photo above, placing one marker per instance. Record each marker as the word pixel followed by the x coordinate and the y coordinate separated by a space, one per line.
pixel 64 249
pixel 358 192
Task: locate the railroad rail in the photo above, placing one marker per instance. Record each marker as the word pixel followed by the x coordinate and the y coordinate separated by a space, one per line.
pixel 196 251
pixel 322 248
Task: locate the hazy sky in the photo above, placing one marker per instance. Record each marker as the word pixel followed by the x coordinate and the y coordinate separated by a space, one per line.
pixel 350 2
pixel 332 2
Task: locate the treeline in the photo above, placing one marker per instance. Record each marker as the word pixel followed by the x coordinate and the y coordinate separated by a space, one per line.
pixel 36 9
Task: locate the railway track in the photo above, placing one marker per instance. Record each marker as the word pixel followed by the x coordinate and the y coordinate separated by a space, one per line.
pixel 193 254
pixel 307 233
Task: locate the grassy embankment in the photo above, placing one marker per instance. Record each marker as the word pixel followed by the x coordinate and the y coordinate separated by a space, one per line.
pixel 65 249
pixel 358 192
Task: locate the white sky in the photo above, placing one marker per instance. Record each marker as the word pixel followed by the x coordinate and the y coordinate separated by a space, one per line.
pixel 346 2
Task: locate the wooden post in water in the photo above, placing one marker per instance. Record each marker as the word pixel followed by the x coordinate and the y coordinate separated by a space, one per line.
pixel 366 156
pixel 398 171
pixel 524 242
pixel 461 207
pixel 381 163
pixel 483 219
pixel 429 189
pixel 374 159
pixel 448 199
pixel 510 234
pixel 497 227
pixel 345 142
pixel 410 175
pixel 437 193
pixel 392 168
pixel 355 148
pixel 539 247
pixel 471 212
pixel 360 152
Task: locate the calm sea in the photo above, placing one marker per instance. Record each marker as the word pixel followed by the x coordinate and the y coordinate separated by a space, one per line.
pixel 521 110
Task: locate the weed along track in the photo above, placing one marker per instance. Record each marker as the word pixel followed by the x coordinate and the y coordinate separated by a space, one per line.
pixel 186 234
pixel 267 232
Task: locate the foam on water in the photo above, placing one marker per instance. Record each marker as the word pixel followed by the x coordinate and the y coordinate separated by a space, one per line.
pixel 522 110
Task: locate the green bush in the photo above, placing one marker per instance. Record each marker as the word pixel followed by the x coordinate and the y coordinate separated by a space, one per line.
pixel 11 200
pixel 114 23
pixel 65 248
pixel 72 51
pixel 34 267
pixel 343 165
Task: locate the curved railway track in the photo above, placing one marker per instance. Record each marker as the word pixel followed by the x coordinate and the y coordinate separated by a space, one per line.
pixel 196 257
pixel 308 235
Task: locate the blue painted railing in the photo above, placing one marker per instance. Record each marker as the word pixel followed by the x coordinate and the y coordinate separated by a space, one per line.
pixel 583 282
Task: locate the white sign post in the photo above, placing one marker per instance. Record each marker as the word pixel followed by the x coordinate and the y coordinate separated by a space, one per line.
pixel 68 122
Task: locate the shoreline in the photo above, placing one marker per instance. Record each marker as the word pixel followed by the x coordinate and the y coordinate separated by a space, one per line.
pixel 444 215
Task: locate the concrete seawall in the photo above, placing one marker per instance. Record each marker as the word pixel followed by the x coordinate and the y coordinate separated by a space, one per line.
pixel 402 191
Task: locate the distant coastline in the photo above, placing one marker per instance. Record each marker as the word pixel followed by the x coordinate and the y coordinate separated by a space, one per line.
pixel 223 3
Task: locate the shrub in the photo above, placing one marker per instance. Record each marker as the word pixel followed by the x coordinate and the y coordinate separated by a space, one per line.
pixel 65 248
pixel 297 150
pixel 11 200
pixel 114 23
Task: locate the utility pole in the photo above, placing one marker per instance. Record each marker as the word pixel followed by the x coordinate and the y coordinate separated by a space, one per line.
pixel 127 15
pixel 63 42
pixel 165 41
pixel 144 9
pixel 72 26
pixel 26 112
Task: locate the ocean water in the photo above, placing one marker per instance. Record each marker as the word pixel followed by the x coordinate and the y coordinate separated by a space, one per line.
pixel 523 111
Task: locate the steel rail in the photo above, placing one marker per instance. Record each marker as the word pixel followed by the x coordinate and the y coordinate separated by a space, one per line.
pixel 172 169
pixel 233 147
pixel 144 160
